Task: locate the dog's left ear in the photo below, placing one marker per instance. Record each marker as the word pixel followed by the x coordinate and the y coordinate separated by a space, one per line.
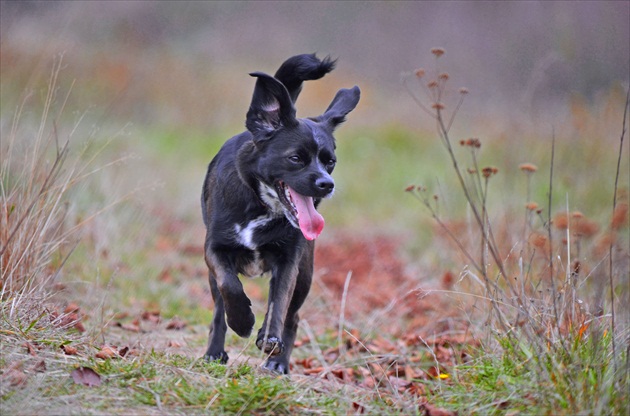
pixel 344 102
pixel 271 108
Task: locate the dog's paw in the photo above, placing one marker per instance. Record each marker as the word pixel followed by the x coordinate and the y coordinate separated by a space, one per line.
pixel 221 357
pixel 271 346
pixel 241 320
pixel 276 366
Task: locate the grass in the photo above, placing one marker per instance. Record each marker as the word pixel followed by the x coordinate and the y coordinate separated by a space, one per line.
pixel 547 341
pixel 138 222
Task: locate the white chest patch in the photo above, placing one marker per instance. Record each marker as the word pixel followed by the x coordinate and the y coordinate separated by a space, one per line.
pixel 245 235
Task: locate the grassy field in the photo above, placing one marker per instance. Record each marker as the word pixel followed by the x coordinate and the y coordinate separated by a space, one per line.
pixel 505 292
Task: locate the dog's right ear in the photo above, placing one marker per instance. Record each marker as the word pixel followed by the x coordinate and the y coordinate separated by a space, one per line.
pixel 271 108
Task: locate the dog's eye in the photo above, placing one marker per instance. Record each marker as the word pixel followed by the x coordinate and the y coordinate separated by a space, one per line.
pixel 295 159
pixel 331 163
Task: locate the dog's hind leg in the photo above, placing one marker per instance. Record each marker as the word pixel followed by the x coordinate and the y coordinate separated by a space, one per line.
pixel 280 363
pixel 216 339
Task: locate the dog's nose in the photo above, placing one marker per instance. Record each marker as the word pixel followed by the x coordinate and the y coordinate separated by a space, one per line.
pixel 325 184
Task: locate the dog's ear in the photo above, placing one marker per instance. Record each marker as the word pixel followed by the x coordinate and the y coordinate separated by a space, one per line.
pixel 271 107
pixel 344 102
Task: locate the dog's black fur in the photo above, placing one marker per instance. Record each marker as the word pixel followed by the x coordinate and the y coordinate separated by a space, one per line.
pixel 258 204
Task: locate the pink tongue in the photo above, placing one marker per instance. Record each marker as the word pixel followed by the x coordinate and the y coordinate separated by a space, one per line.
pixel 311 222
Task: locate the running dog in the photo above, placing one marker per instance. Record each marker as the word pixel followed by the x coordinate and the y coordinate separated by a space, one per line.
pixel 259 205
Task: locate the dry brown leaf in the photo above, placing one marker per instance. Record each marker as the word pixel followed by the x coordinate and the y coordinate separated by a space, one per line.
pixel 30 348
pixel 312 371
pixel 71 308
pixel 39 366
pixel 86 376
pixel 176 323
pixel 130 326
pixel 151 316
pixel 69 350
pixel 123 351
pixel 430 410
pixel 107 352
pixel 15 377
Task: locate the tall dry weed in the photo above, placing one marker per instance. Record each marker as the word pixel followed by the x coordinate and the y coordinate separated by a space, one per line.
pixel 544 285
pixel 37 174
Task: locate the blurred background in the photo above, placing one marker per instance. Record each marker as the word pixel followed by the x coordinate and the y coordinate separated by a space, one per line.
pixel 186 63
pixel 167 83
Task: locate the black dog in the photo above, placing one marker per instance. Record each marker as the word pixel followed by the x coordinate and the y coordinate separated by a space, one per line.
pixel 259 205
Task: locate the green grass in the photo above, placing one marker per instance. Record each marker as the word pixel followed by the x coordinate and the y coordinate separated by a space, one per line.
pixel 581 380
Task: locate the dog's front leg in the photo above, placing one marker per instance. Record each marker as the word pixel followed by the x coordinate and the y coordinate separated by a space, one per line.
pixel 236 303
pixel 280 362
pixel 216 339
pixel 281 289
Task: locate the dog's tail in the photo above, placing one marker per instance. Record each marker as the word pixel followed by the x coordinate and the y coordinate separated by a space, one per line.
pixel 301 68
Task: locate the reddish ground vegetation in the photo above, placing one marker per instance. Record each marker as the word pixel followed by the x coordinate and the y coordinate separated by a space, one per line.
pixel 380 281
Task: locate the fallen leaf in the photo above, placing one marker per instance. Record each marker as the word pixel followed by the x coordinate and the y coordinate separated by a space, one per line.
pixel 430 410
pixel 86 376
pixel 69 350
pixel 176 323
pixel 130 326
pixel 121 315
pixel 106 353
pixel 71 308
pixel 15 377
pixel 152 316
pixel 69 320
pixel 30 348
pixel 123 351
pixel 358 408
pixel 39 366
pixel 311 371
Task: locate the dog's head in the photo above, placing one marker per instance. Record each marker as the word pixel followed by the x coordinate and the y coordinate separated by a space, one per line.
pixel 290 160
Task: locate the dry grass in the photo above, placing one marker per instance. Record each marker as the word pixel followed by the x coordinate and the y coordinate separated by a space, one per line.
pixel 542 291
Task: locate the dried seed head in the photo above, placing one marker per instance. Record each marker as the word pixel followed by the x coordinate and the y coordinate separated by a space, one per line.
pixel 432 84
pixel 561 221
pixel 438 52
pixel 471 171
pixel 473 142
pixel 443 76
pixel 489 171
pixel 438 106
pixel 410 188
pixel 584 227
pixel 532 206
pixel 528 167
pixel 538 240
pixel 577 214
pixel 420 72
pixel 463 91
pixel 462 142
pixel 620 216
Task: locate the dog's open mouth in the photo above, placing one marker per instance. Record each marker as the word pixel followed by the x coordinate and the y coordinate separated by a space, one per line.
pixel 300 211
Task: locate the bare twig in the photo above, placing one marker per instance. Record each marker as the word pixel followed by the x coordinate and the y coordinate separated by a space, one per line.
pixel 610 246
